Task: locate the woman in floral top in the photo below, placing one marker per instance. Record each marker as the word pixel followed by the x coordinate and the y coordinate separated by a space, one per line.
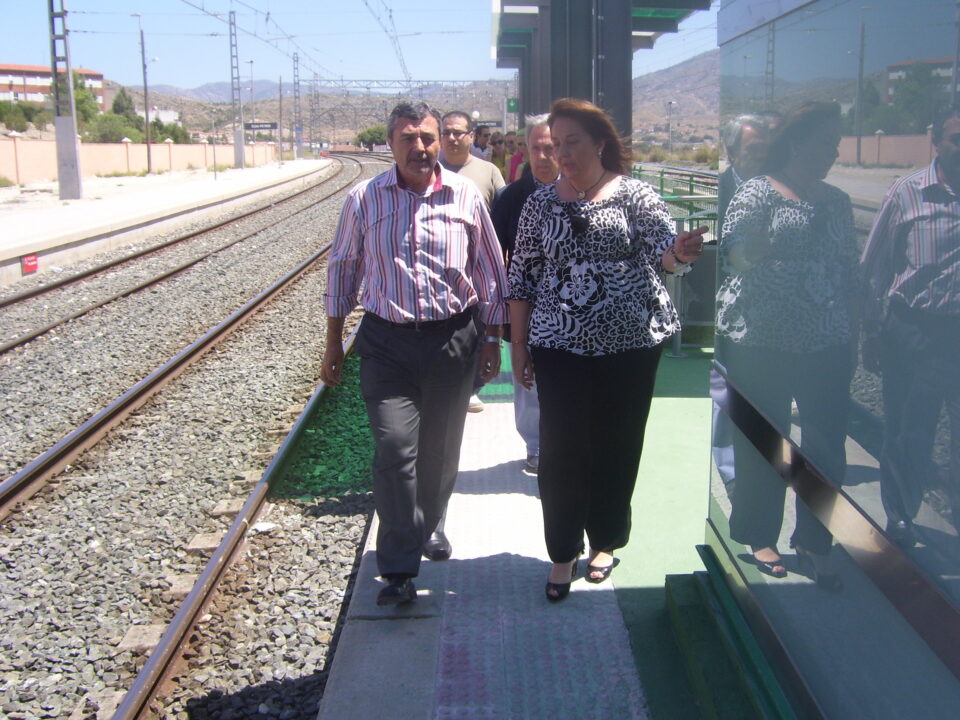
pixel 786 328
pixel 590 315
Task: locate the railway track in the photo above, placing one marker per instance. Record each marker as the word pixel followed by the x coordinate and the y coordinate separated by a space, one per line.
pixel 96 561
pixel 29 313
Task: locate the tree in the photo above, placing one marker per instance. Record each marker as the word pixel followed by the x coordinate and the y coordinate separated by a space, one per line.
pixel 12 115
pixel 85 104
pixel 919 96
pixel 123 106
pixel 111 128
pixel 376 135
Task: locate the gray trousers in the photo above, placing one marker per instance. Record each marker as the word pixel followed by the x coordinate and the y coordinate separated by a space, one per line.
pixel 416 385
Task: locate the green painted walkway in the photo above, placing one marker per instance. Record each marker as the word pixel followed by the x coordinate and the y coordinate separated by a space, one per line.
pixel 669 513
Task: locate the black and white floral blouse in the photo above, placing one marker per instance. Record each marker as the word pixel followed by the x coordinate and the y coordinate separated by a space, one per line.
pixel 595 291
pixel 791 269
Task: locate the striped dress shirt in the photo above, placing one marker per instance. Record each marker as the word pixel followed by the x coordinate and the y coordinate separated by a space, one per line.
pixel 418 257
pixel 913 253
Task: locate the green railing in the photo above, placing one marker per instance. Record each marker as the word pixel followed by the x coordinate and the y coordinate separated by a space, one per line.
pixel 691 197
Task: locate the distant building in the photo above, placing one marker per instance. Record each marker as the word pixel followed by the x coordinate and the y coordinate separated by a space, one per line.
pixel 941 68
pixel 32 83
pixel 166 116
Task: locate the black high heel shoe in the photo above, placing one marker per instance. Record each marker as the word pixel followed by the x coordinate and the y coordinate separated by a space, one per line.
pixel 558 591
pixel 817 566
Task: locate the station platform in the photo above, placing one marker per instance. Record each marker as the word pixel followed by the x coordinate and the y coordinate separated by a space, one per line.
pixel 114 210
pixel 483 643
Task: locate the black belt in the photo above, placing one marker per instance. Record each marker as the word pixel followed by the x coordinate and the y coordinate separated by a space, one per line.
pixel 453 321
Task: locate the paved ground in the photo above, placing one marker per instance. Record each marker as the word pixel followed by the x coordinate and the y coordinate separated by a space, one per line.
pixel 483 643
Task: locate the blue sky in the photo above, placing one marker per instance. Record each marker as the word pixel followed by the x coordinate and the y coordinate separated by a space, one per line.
pixel 334 38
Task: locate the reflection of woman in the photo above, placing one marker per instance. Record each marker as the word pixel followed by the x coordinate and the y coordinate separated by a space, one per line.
pixel 786 325
pixel 588 301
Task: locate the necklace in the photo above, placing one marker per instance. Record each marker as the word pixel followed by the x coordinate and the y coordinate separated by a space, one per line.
pixel 581 194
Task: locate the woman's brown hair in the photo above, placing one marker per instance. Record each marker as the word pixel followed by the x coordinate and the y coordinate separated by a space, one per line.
pixel 615 157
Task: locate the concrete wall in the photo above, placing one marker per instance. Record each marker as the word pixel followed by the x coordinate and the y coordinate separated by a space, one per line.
pixel 24 161
pixel 888 150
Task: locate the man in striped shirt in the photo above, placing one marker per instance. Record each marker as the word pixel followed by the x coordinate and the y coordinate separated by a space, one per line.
pixel 911 267
pixel 419 242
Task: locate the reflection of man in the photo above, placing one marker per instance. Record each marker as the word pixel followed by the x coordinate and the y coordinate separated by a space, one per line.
pixel 420 243
pixel 481 143
pixel 542 170
pixel 911 266
pixel 746 140
pixel 457 133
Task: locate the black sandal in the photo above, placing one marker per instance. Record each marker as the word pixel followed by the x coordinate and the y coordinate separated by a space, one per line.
pixel 604 572
pixel 773 568
pixel 561 590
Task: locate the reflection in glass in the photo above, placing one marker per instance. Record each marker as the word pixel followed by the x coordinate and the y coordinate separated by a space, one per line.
pixel 785 326
pixel 838 319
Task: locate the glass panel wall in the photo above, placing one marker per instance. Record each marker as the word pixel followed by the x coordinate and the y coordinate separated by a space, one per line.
pixel 838 321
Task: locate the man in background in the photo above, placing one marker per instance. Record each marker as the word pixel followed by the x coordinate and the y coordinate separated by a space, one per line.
pixel 542 169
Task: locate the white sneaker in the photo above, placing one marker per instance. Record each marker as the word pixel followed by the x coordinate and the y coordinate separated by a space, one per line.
pixel 475 404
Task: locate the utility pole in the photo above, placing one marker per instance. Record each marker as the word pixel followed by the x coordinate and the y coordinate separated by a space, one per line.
pixel 64 108
pixel 858 109
pixel 252 113
pixel 239 161
pixel 280 119
pixel 146 96
pixel 297 120
pixel 956 57
pixel 670 104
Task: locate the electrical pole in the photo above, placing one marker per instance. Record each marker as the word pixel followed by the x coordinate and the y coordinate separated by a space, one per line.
pixel 146 96
pixel 956 57
pixel 280 119
pixel 297 127
pixel 64 108
pixel 239 160
pixel 858 109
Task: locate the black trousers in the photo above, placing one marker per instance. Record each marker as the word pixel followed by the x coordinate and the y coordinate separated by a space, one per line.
pixel 416 385
pixel 918 359
pixel 593 412
pixel 770 379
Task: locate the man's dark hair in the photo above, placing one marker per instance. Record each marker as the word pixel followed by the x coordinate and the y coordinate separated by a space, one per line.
pixel 416 112
pixel 459 114
pixel 941 120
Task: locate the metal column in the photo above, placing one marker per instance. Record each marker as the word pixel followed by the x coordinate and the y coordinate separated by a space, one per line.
pixel 64 107
pixel 238 150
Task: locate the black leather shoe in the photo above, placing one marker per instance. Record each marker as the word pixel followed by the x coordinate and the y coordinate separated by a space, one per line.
pixel 437 547
pixel 398 591
pixel 901 532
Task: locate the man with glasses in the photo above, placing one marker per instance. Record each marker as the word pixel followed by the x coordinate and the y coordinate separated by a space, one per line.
pixel 481 143
pixel 456 131
pixel 418 241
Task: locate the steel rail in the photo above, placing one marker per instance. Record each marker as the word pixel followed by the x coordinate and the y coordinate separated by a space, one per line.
pixel 76 277
pixel 37 332
pixel 137 701
pixel 31 477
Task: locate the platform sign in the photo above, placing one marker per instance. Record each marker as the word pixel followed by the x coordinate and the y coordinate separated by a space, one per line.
pixel 260 126
pixel 29 264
